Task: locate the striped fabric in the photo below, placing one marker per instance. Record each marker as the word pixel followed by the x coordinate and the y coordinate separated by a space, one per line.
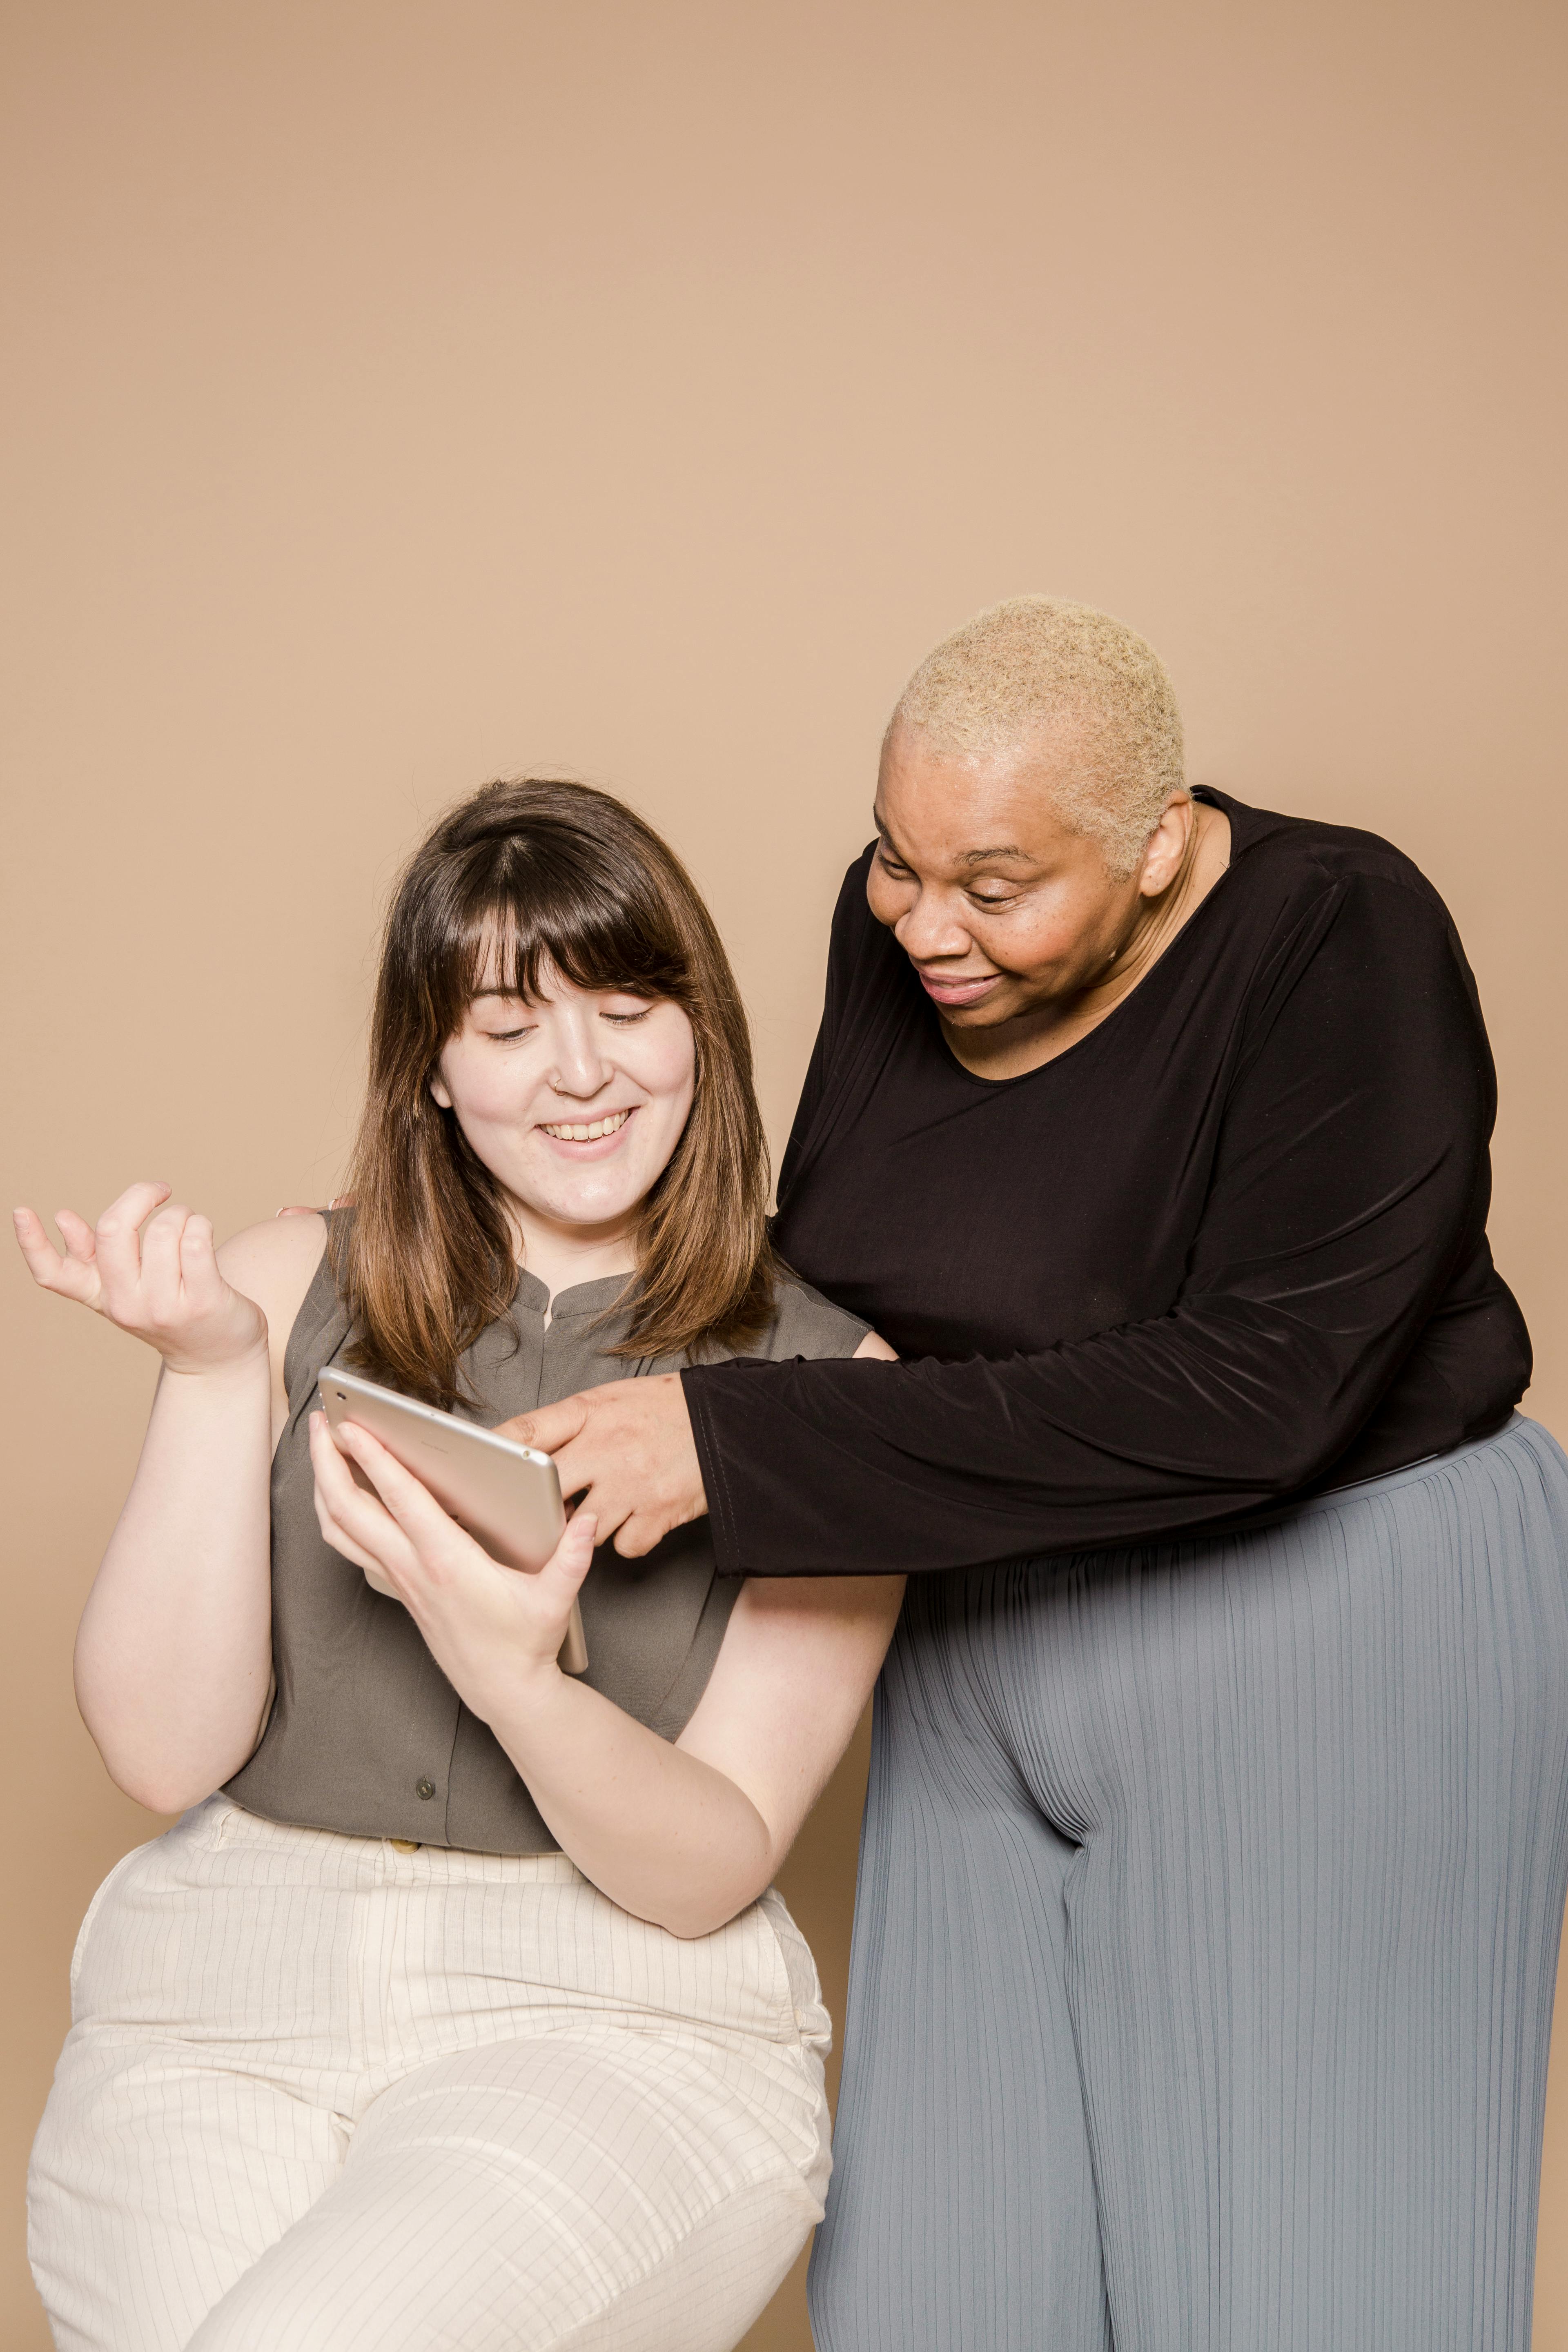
pixel 323 2092
pixel 1206 1940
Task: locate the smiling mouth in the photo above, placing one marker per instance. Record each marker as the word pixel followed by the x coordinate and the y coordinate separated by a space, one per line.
pixel 954 988
pixel 579 1132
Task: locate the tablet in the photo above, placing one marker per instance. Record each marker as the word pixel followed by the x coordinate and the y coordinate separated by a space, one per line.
pixel 505 1496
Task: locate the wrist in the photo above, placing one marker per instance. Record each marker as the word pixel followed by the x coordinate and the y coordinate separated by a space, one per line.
pixel 238 1371
pixel 517 1698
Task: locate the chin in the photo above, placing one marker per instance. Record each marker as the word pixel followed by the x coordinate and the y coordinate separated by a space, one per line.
pixel 590 1207
pixel 978 1016
pixel 596 1210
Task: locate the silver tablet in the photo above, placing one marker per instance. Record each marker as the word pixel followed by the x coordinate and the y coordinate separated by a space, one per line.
pixel 505 1495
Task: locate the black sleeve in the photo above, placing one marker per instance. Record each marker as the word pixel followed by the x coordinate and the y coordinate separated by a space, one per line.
pixel 1350 1179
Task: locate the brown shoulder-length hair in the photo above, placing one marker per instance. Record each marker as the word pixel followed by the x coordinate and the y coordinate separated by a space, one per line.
pixel 521 882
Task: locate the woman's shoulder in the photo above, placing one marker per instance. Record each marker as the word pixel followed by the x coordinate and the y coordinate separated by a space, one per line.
pixel 280 1264
pixel 1301 893
pixel 1269 845
pixel 277 1262
pixel 804 1323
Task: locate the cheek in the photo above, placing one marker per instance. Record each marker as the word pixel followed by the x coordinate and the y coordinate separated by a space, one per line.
pixel 665 1064
pixel 672 1102
pixel 485 1094
pixel 1038 942
pixel 888 900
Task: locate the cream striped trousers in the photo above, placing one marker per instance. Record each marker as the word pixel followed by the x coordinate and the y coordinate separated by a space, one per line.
pixel 321 2094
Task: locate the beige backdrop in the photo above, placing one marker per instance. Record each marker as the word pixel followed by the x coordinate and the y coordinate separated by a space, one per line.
pixel 404 394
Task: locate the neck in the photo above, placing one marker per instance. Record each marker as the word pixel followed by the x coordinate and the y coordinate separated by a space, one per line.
pixel 1155 921
pixel 561 1255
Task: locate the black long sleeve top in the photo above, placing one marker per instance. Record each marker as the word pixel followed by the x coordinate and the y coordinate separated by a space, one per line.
pixel 1228 1249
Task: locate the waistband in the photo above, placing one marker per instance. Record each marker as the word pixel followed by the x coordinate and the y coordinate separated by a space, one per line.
pixel 1388 1482
pixel 221 1821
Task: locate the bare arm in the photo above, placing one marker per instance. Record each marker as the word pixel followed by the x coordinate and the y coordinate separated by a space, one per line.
pixel 685 1835
pixel 174 1656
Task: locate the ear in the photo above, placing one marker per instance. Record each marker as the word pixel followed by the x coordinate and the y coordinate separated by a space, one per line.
pixel 438 1093
pixel 1167 845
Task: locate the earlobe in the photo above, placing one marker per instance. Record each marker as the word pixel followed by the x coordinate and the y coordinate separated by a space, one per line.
pixel 438 1094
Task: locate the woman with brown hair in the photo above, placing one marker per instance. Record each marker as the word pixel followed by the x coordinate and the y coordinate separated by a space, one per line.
pixel 463 2012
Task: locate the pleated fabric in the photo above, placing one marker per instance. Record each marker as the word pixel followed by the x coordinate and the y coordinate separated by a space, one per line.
pixel 323 2094
pixel 1206 1933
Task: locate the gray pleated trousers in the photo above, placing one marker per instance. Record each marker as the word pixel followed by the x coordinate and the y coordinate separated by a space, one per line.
pixel 1207 1927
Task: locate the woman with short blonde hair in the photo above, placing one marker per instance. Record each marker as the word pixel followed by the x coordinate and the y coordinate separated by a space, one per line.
pixel 1217 1835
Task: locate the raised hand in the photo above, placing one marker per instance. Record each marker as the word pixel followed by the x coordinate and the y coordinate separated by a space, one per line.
pixel 161 1285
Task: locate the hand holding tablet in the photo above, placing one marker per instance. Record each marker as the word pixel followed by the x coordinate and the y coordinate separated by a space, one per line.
pixel 505 1496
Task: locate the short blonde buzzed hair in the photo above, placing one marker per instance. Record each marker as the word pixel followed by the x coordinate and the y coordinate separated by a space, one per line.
pixel 1040 665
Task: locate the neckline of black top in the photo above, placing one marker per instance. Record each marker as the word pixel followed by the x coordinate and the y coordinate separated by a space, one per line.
pixel 1242 837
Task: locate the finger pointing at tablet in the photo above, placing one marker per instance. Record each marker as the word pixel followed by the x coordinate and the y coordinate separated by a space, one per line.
pixel 627 1450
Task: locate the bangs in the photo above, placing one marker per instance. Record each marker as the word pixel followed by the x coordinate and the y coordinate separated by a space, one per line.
pixel 521 919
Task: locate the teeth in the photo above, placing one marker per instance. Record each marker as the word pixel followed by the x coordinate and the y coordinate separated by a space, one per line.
pixel 592 1131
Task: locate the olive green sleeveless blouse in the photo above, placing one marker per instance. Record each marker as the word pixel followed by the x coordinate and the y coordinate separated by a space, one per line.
pixel 366 1735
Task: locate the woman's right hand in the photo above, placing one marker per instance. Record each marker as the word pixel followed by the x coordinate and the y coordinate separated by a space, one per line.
pixel 163 1285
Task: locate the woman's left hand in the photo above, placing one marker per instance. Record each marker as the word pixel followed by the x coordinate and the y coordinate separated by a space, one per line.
pixel 490 1628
